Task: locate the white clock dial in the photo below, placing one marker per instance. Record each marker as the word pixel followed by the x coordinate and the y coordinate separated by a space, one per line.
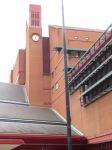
pixel 35 38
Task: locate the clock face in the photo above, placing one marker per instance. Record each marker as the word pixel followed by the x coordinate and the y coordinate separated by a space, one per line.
pixel 35 37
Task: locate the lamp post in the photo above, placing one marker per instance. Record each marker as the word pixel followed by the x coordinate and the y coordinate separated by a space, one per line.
pixel 66 87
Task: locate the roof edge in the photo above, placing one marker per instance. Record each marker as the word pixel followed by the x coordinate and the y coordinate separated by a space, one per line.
pixel 73 128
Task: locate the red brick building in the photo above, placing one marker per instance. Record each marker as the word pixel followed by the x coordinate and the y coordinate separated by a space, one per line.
pixel 40 68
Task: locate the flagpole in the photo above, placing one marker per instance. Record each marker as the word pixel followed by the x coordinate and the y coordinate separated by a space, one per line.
pixel 66 87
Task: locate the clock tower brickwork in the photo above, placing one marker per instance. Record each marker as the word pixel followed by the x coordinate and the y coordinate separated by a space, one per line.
pixel 35 81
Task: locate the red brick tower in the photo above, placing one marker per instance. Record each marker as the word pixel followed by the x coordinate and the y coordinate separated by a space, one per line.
pixel 34 57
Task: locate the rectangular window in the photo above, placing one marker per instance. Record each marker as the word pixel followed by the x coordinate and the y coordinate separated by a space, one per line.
pixel 56 70
pixel 53 89
pixel 102 59
pixel 52 75
pixel 32 15
pixel 38 16
pixel 32 22
pixel 81 54
pixel 37 22
pixel 74 54
pixel 56 85
pixel 76 37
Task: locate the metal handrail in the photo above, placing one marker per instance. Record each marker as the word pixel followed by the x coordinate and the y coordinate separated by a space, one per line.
pixel 90 49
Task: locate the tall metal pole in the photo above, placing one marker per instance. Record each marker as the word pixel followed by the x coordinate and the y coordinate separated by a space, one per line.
pixel 66 87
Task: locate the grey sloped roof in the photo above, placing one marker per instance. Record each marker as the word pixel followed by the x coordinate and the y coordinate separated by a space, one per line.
pixel 16 118
pixel 12 92
pixel 15 111
pixel 30 128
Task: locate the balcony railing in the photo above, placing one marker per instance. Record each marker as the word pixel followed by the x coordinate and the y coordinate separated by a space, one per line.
pixel 100 45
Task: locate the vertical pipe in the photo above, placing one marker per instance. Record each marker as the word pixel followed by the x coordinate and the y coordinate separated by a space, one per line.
pixel 66 87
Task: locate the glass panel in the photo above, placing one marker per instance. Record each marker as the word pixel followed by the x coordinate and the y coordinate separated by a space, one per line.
pixel 89 83
pixel 90 96
pixel 87 99
pixel 110 82
pixel 75 85
pixel 85 87
pixel 102 59
pixel 105 86
pixel 81 54
pixel 99 76
pixel 97 64
pixel 75 54
pixel 110 67
pixel 84 76
pixel 104 72
pixel 93 68
pixel 88 72
pixel 108 54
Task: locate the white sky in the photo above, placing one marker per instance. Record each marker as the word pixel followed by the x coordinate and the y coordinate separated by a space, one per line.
pixel 96 14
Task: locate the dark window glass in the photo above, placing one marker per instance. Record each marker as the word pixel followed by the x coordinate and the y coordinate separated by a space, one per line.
pixel 38 16
pixel 99 76
pixel 87 99
pixel 100 89
pixel 94 93
pixel 89 83
pixel 97 64
pixel 93 68
pixel 88 72
pixel 81 79
pixel 75 85
pixel 85 87
pixel 71 88
pixel 84 76
pixel 102 59
pixel 108 54
pixel 93 80
pixel 110 82
pixel 90 96
pixel 104 72
pixel 77 82
pixel 110 67
pixel 105 86
pixel 37 22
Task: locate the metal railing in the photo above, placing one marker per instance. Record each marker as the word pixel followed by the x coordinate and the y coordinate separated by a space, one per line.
pixel 93 50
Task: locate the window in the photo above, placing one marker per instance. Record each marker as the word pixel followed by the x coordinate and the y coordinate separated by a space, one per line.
pixel 110 67
pixel 90 96
pixel 102 59
pixel 52 75
pixel 87 38
pixel 86 87
pixel 56 70
pixel 32 15
pixel 97 64
pixel 89 83
pixel 88 72
pixel 53 89
pixel 56 85
pixel 110 82
pixel 32 22
pixel 75 85
pixel 76 37
pixel 87 99
pixel 104 72
pixel 108 54
pixel 92 69
pixel 81 54
pixel 84 76
pixel 74 54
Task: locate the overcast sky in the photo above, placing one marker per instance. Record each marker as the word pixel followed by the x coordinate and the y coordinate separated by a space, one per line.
pixel 96 14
